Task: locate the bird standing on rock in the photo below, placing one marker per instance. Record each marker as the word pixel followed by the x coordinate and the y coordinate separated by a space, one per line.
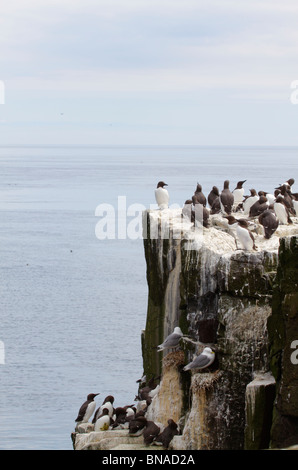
pixel 238 194
pixel 214 193
pixel 258 207
pixel 226 199
pixel 87 409
pixel 281 210
pixel 245 236
pixel 150 433
pixel 162 195
pixel 103 422
pixel 107 403
pixel 199 197
pixel 249 201
pixel 168 433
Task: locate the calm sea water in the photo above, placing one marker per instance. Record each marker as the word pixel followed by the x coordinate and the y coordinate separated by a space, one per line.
pixel 72 306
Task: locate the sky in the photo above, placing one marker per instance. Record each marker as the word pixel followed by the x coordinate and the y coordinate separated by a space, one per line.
pixel 148 72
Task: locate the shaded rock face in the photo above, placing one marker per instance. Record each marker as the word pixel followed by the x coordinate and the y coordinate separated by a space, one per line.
pixel 217 295
pixel 283 333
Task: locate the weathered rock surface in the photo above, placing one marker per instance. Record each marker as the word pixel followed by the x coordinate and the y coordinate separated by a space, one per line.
pixel 220 296
pixel 283 336
pixel 244 305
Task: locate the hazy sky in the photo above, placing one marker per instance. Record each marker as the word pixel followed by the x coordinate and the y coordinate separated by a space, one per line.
pixel 133 72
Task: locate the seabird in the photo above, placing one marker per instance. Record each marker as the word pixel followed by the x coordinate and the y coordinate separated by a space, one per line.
pixel 143 393
pixel 205 359
pixel 244 235
pixel 119 417
pixel 199 197
pixel 103 422
pixel 270 198
pixel 295 204
pixel 238 194
pixel 162 195
pixel 187 210
pixel 107 403
pixel 216 207
pixel 281 211
pixel 214 193
pixel 200 214
pixel 287 195
pixel 171 341
pixel 150 433
pixel 226 199
pixel 269 221
pixel 168 433
pixel 249 201
pixel 258 207
pixel 87 409
pixel 137 425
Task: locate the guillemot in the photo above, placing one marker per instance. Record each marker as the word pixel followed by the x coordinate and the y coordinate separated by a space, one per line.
pixel 87 409
pixel 162 195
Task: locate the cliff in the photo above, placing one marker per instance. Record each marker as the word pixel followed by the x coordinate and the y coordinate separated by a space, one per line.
pixel 223 297
pixel 243 304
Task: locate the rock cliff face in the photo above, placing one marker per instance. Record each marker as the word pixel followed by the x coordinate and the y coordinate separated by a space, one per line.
pixel 222 297
pixel 283 336
pixel 242 304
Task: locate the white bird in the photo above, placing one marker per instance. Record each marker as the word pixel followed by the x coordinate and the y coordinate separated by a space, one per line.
pixel 250 201
pixel 107 403
pixel 162 195
pixel 87 409
pixel 238 194
pixel 270 198
pixel 103 422
pixel 281 211
pixel 245 237
pixel 205 359
pixel 295 206
pixel 172 340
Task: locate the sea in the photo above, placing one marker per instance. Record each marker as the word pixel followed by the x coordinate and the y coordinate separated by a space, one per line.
pixel 73 289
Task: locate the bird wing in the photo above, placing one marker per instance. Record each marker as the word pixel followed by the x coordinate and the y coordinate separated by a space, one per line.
pixel 82 411
pixel 170 341
pixel 201 361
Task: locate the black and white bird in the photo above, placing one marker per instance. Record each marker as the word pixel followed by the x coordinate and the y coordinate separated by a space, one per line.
pixel 249 201
pixel 238 194
pixel 258 207
pixel 245 236
pixel 162 195
pixel 269 221
pixel 281 210
pixel 203 360
pixel 107 403
pixel 87 409
pixel 226 199
pixel 103 422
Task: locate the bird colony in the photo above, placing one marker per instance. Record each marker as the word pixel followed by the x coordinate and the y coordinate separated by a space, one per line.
pixel 133 417
pixel 242 214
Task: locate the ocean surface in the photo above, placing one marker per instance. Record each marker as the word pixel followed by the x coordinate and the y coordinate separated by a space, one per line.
pixel 72 304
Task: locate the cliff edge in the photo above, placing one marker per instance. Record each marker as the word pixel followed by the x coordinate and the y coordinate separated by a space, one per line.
pixel 223 297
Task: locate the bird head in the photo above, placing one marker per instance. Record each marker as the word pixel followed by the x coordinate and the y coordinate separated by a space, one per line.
pixel 161 184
